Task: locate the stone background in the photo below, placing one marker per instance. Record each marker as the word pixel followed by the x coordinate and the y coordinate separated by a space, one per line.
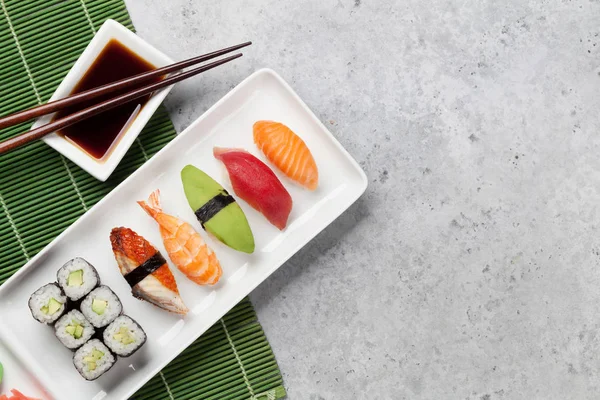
pixel 470 268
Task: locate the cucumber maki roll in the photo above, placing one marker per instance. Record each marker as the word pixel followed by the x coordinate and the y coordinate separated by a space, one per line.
pixel 93 359
pixel 77 278
pixel 124 336
pixel 73 330
pixel 101 306
pixel 47 304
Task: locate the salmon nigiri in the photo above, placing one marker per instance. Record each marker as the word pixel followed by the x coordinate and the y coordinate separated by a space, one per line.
pixel 254 182
pixel 185 246
pixel 287 151
pixel 146 270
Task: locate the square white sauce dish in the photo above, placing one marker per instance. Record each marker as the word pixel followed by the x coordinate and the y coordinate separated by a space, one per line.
pixel 98 144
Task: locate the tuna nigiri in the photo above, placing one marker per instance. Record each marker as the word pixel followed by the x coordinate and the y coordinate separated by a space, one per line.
pixel 146 270
pixel 254 182
pixel 287 151
pixel 185 246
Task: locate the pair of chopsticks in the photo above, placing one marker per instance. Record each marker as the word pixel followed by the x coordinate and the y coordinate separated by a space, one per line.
pixel 133 83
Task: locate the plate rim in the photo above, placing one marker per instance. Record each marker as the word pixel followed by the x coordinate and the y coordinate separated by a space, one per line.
pixel 9 338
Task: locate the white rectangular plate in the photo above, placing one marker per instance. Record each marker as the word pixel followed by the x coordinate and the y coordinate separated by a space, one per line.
pixel 264 95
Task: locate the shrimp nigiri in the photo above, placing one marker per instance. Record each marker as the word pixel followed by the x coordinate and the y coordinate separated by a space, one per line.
pixel 185 246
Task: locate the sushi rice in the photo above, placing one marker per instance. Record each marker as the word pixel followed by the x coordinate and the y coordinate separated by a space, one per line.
pixel 47 304
pixel 124 336
pixel 93 359
pixel 77 278
pixel 73 329
pixel 101 306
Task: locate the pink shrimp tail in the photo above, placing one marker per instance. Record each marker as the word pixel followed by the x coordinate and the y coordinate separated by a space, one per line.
pixel 152 207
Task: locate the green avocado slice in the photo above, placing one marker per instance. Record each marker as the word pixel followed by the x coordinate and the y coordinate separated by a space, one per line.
pixel 99 306
pixel 78 332
pixel 74 329
pixel 124 336
pixel 52 307
pixel 75 278
pixel 229 225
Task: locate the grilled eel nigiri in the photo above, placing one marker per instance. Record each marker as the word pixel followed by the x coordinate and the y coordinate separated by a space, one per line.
pixel 146 270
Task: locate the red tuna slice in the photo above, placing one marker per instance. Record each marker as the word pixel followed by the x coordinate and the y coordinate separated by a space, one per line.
pixel 256 184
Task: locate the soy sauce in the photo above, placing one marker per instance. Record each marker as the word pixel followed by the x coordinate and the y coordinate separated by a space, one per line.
pixel 97 134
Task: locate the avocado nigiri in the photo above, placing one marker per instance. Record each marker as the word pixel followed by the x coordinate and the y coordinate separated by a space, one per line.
pixel 216 210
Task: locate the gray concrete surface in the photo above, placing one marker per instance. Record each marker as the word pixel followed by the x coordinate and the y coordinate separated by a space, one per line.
pixel 470 269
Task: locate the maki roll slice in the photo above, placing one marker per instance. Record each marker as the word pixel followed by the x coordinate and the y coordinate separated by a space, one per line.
pixel 93 359
pixel 77 278
pixel 217 210
pixel 48 303
pixel 124 336
pixel 101 306
pixel 73 329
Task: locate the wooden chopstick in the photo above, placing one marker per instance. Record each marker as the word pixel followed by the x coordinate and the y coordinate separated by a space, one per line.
pixel 117 86
pixel 71 119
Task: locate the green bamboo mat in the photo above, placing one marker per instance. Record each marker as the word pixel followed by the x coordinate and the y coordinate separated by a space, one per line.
pixel 42 193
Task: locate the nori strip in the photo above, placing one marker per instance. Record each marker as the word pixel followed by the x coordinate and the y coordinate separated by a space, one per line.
pixel 213 206
pixel 145 269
